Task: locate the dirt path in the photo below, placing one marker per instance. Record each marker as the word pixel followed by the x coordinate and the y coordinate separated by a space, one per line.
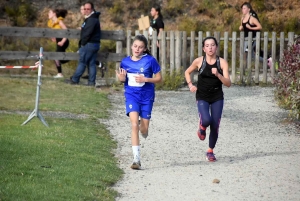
pixel 258 157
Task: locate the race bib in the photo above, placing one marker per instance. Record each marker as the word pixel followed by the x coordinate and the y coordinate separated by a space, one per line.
pixel 132 82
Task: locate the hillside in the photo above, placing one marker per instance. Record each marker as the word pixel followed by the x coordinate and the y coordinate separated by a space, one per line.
pixel 205 15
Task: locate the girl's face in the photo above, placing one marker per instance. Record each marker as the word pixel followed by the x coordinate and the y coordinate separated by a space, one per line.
pixel 245 10
pixel 153 12
pixel 51 14
pixel 138 48
pixel 210 47
pixel 82 10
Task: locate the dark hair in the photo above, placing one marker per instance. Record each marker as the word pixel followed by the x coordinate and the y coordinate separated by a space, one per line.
pixel 92 5
pixel 209 37
pixel 157 8
pixel 60 12
pixel 142 38
pixel 252 12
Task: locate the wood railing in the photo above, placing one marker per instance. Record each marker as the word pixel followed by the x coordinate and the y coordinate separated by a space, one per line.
pixel 25 32
pixel 177 50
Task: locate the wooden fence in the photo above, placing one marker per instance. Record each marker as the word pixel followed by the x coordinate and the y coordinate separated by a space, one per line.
pixel 25 32
pixel 177 50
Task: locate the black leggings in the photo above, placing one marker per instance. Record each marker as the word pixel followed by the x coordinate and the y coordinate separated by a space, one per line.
pixel 61 49
pixel 212 118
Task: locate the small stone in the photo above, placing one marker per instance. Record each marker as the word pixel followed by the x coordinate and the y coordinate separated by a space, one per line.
pixel 216 181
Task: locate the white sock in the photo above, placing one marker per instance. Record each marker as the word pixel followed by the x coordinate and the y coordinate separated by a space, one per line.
pixel 136 153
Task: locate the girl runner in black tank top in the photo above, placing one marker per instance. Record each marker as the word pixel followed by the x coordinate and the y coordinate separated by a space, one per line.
pixel 246 30
pixel 209 94
pixel 209 87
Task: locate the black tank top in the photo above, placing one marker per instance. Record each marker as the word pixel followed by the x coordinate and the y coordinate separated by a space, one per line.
pixel 209 87
pixel 246 30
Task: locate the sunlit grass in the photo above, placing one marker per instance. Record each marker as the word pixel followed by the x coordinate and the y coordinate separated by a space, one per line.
pixel 55 95
pixel 71 160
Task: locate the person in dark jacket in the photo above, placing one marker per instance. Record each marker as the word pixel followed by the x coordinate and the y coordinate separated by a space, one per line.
pixel 89 45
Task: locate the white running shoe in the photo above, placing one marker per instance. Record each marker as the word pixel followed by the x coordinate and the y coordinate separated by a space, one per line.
pixel 59 75
pixel 136 165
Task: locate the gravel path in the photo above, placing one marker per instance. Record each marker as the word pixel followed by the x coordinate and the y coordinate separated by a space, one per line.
pixel 258 156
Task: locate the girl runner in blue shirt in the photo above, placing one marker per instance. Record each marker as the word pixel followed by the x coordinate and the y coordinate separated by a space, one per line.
pixel 137 72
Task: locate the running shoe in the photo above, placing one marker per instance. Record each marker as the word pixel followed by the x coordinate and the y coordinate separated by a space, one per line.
pixel 201 134
pixel 136 165
pixel 59 75
pixel 210 156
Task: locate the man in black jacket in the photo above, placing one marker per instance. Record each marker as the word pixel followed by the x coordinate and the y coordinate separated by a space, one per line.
pixel 89 45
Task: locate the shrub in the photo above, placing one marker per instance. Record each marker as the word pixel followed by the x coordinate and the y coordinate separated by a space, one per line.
pixel 189 24
pixel 171 81
pixel 287 82
pixel 174 8
pixel 117 12
pixel 22 14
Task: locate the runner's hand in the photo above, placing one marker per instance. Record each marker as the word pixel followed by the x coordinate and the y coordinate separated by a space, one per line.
pixel 121 73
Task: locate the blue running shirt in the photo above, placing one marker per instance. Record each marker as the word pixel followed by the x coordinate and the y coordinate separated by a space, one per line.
pixel 147 66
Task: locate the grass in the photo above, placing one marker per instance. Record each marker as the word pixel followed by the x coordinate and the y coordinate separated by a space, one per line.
pixel 71 160
pixel 19 94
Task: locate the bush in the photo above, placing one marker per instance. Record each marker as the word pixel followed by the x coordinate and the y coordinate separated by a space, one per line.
pixel 174 8
pixel 171 81
pixel 287 82
pixel 22 14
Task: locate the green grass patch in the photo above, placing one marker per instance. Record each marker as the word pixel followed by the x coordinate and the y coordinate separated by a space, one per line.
pixel 71 160
pixel 55 95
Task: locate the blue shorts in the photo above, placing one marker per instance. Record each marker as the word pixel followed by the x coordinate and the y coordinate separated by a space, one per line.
pixel 144 109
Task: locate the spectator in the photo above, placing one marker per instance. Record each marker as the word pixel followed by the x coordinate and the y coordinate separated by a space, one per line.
pixel 55 21
pixel 89 45
pixel 157 24
pixel 82 12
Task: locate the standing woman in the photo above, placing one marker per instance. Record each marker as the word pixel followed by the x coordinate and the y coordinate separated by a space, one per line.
pixel 137 72
pixel 209 93
pixel 249 23
pixel 55 21
pixel 157 24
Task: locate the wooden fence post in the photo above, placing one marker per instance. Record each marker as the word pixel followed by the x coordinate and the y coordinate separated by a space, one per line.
pixel 145 33
pixel 249 58
pixel 290 38
pixel 217 36
pixel 225 46
pixel 200 39
pixel 168 45
pixel 178 51
pixel 163 57
pixel 281 46
pixel 233 57
pixel 172 52
pixel 257 56
pixel 192 50
pixel 242 53
pixel 273 55
pixel 154 44
pixel 184 49
pixel 118 50
pixel 265 58
pixel 128 43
